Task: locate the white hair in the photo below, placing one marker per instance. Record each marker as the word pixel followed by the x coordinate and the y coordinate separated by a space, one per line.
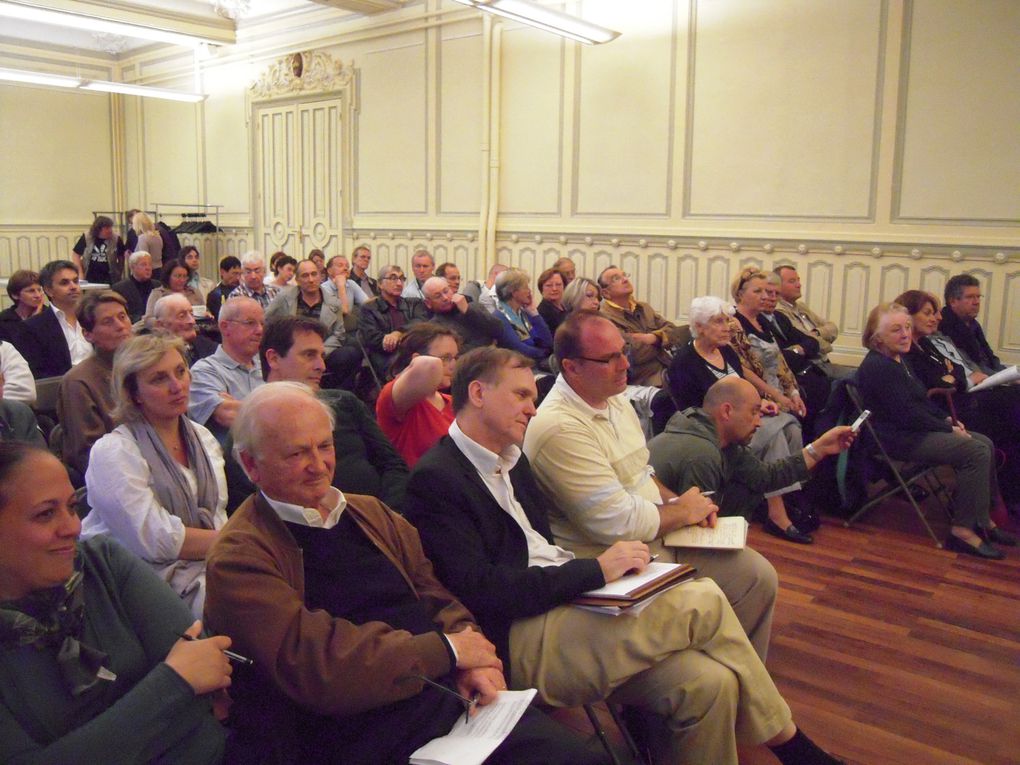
pixel 233 307
pixel 434 282
pixel 250 421
pixel 136 256
pixel 704 309
pixel 253 258
pixel 164 306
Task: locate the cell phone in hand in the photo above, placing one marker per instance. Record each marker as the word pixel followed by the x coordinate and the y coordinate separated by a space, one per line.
pixel 860 420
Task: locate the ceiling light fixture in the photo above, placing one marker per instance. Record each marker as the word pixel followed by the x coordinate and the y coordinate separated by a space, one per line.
pixel 104 86
pixel 93 24
pixel 550 20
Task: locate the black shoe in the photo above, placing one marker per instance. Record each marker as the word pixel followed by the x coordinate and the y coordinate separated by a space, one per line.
pixel 983 550
pixel 791 534
pixel 996 535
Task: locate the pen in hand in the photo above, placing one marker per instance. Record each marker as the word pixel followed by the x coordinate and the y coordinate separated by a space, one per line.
pixel 233 656
pixel 469 704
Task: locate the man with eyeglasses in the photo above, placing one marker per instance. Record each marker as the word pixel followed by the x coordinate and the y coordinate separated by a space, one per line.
pixel 383 321
pixel 221 381
pixel 476 326
pixel 651 335
pixel 253 273
pixel 588 453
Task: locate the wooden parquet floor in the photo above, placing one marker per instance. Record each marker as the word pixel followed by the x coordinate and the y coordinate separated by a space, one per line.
pixel 891 651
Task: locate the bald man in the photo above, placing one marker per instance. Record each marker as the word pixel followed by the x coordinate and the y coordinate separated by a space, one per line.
pixel 707 448
pixel 173 315
pixel 476 326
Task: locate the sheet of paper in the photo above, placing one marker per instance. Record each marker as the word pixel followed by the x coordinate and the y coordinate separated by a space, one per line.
pixel 729 533
pixel 633 610
pixel 469 743
pixel 625 584
pixel 1007 375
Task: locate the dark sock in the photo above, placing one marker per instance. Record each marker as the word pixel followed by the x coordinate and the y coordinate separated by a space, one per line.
pixel 800 750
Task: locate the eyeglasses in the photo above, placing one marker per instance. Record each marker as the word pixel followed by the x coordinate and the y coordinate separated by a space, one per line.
pixel 248 323
pixel 447 358
pixel 613 358
pixel 394 278
pixel 615 278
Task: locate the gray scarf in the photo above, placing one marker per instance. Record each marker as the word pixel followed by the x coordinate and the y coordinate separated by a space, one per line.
pixel 168 481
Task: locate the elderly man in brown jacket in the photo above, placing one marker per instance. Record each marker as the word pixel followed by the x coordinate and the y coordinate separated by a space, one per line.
pixel 650 335
pixel 333 598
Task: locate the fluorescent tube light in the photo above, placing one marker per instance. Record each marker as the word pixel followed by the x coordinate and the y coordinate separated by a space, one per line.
pixel 92 24
pixel 142 90
pixel 547 19
pixel 39 78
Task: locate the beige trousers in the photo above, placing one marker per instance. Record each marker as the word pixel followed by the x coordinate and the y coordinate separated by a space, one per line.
pixel 685 659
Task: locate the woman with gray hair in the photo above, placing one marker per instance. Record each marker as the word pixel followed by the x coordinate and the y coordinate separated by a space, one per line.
pixel 156 483
pixel 582 294
pixel 524 329
pixel 709 357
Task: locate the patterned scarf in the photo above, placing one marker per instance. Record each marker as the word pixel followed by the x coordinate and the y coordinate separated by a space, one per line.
pixel 518 320
pixel 55 617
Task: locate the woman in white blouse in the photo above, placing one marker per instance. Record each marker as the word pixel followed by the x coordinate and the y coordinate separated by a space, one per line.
pixel 156 483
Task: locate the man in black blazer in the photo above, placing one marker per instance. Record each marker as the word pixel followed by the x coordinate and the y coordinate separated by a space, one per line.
pixel 687 663
pixel 53 340
pixel 138 285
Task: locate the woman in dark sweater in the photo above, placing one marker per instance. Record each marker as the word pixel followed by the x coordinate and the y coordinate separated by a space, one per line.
pixel 710 357
pixel 551 284
pixel 915 429
pixel 92 667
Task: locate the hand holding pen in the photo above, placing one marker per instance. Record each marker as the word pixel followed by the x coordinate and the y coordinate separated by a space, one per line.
pixel 202 664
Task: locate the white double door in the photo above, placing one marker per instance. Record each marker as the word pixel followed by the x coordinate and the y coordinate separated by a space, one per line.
pixel 298 177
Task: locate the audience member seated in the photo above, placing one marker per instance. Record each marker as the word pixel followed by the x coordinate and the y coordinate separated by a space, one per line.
pixel 52 341
pixel 551 285
pixel 292 350
pixel 361 259
pixel 85 401
pixel 588 454
pixel 484 293
pixel 807 321
pixel 138 285
pixel 174 282
pixel 567 269
pixel 995 412
pixel 582 294
pixel 156 482
pixel 334 600
pixel 709 357
pixel 800 351
pixel 688 666
pixel 230 277
pixel 451 273
pixel 252 284
pixel 959 323
pixel 384 321
pixel 98 255
pixel 174 315
pixel 476 326
pixel 412 409
pixel 27 299
pixel 650 335
pixel 94 666
pixel 19 385
pixel 283 267
pixel 423 266
pixel 309 299
pixel 221 380
pixel 708 447
pixel 524 329
pixel 17 420
pixel 341 286
pixel 913 428
pixel 319 258
pixel 149 240
pixel 192 258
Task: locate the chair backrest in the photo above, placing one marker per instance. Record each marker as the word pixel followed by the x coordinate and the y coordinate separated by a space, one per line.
pixel 47 390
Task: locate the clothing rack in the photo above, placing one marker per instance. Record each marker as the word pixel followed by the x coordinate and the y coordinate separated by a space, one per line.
pixel 193 210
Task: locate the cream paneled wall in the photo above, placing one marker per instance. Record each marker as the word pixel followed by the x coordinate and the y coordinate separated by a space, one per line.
pixel 840 128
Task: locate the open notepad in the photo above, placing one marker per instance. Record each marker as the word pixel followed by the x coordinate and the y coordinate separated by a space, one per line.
pixel 730 533
pixel 469 743
pixel 631 592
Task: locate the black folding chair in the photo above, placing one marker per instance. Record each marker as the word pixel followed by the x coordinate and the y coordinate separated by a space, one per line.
pixel 900 476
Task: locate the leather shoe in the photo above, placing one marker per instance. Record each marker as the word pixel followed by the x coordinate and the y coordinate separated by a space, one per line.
pixel 790 534
pixel 996 535
pixel 983 550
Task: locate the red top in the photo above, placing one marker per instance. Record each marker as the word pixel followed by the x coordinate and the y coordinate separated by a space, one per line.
pixel 420 429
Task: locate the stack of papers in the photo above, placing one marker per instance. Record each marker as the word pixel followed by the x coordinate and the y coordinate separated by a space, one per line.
pixel 634 591
pixel 730 533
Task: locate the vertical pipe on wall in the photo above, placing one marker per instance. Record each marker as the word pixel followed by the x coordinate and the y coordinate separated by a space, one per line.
pixel 482 262
pixel 118 155
pixel 495 97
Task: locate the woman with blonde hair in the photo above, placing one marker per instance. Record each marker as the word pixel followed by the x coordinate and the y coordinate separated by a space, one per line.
pixel 149 241
pixel 582 294
pixel 156 483
pixel 913 428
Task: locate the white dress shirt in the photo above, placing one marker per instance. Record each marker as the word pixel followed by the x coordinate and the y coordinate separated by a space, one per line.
pixel 19 385
pixel 79 347
pixel 494 470
pixel 310 516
